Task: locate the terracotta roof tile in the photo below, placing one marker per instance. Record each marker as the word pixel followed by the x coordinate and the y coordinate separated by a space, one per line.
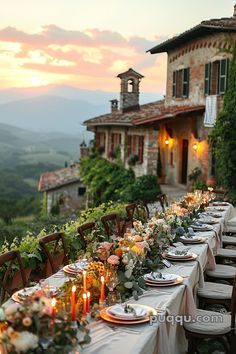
pixel 170 112
pixel 127 118
pixel 227 24
pixel 58 178
pixel 150 112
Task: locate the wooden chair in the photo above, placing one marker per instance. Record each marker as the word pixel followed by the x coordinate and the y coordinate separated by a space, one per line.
pixel 55 250
pixel 222 274
pixel 221 327
pixel 220 193
pixel 11 280
pixel 136 211
pixel 84 230
pixel 162 198
pixel 215 294
pixel 112 224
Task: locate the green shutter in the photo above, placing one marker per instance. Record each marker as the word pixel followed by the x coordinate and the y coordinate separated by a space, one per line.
pixel 207 79
pixel 185 89
pixel 223 76
pixel 174 84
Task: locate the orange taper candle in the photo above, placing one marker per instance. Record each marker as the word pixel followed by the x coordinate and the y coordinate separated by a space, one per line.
pixel 73 304
pixel 85 303
pixel 102 295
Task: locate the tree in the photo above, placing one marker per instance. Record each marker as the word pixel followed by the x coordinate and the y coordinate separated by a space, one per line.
pixel 223 135
pixel 8 210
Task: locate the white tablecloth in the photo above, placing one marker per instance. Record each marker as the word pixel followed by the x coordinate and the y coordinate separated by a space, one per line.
pixel 160 338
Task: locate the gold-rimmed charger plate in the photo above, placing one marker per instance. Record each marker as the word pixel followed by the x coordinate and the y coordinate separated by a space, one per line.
pixel 20 299
pixel 209 222
pixel 193 241
pixel 177 259
pixel 71 272
pixel 178 281
pixel 160 281
pixel 150 310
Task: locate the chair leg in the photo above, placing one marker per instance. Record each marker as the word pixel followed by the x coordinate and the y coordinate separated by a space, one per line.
pixel 232 343
pixel 191 345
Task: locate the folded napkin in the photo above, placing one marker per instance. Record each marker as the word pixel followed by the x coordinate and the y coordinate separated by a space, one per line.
pixel 201 281
pixel 190 306
pixel 76 267
pixel 24 293
pixel 119 310
pixel 210 259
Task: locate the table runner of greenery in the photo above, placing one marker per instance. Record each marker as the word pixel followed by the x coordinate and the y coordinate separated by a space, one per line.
pixel 139 249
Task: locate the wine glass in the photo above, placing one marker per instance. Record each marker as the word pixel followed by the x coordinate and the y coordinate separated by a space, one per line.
pixel 112 280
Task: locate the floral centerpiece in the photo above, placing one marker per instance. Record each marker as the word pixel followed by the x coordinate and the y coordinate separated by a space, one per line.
pixel 35 326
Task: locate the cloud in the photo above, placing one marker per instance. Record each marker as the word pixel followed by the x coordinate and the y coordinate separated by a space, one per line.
pixel 91 52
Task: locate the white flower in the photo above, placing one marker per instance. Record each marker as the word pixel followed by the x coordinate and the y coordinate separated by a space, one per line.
pixel 24 341
pixel 11 310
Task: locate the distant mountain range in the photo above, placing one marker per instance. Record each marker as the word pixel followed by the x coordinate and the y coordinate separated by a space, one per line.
pixel 56 108
pixel 44 124
pixel 23 147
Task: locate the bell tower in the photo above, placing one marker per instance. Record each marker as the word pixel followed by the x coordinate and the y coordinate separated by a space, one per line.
pixel 129 93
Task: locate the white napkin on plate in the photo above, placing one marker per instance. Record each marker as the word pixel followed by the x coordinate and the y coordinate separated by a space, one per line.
pixel 119 310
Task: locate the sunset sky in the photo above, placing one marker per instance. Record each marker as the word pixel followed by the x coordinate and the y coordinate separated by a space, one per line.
pixel 86 43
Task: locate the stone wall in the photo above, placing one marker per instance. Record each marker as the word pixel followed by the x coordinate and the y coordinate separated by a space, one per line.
pixel 194 54
pixel 67 197
pixel 150 150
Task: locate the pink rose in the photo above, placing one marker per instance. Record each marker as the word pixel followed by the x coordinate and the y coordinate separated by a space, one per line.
pixel 103 254
pixel 114 260
pixel 106 245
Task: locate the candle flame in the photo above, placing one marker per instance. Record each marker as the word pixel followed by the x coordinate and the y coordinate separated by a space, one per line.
pixel 84 273
pixel 54 301
pixel 88 294
pixel 73 288
pixel 84 296
pixel 102 279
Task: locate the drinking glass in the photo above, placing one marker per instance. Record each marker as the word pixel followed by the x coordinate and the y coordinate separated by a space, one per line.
pixel 112 280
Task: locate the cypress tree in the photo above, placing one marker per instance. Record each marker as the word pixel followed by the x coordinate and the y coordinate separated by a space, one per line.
pixel 223 134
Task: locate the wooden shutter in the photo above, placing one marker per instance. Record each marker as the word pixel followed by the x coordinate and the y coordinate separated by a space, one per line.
pixel 179 83
pixel 214 78
pixel 112 142
pixel 185 82
pixel 140 148
pixel 223 69
pixel 174 84
pixel 207 85
pixel 98 136
pixel 129 144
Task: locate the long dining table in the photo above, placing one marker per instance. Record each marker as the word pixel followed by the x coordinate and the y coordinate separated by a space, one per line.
pixel 166 334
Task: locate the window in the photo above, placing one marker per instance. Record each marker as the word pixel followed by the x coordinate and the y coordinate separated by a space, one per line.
pixel 135 146
pixel 180 83
pixel 81 191
pixel 100 140
pixel 216 74
pixel 223 71
pixel 207 79
pixel 115 141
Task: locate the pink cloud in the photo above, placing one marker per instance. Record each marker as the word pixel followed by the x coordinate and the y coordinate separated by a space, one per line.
pixel 91 52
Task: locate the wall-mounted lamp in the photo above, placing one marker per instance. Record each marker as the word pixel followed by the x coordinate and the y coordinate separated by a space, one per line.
pixel 195 146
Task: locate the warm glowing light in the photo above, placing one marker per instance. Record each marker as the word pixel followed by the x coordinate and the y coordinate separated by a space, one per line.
pixel 195 147
pixel 38 81
pixel 167 141
pixel 54 301
pixel 73 288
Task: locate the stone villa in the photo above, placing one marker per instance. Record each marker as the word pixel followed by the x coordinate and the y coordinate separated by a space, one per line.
pixel 169 138
pixel 64 190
